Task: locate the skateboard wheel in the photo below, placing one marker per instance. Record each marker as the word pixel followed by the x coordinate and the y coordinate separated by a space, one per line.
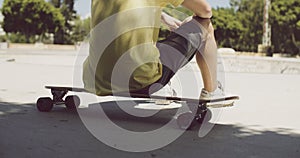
pixel 204 115
pixel 185 120
pixel 44 104
pixel 72 101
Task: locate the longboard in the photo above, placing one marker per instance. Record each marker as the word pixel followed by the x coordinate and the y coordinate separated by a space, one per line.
pixel 45 104
pixel 135 95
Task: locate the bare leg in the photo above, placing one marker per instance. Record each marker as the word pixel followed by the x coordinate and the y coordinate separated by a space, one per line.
pixel 207 60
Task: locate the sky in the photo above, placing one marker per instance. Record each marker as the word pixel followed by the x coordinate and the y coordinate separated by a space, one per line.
pixel 83 6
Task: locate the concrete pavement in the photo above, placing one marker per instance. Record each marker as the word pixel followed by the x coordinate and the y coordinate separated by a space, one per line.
pixel 264 123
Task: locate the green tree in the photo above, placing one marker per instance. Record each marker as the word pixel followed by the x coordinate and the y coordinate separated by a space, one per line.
pixel 250 14
pixel 81 29
pixel 20 38
pixel 228 28
pixel 285 21
pixel 55 3
pixel 30 17
pixel 64 34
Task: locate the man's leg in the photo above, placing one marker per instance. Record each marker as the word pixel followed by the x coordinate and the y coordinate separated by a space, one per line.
pixel 207 59
pixel 207 62
pixel 193 37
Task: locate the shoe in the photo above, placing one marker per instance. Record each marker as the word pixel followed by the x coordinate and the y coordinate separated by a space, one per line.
pixel 167 91
pixel 217 94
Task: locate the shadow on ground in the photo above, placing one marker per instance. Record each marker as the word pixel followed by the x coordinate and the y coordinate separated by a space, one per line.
pixel 27 133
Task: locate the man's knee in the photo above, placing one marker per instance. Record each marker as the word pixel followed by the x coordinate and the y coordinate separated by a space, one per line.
pixel 205 22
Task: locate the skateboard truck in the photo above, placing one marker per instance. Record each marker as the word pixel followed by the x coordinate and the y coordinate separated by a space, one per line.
pixel 58 96
pixel 188 120
pixel 45 104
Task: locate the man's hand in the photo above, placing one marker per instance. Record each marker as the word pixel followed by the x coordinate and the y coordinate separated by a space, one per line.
pixel 171 22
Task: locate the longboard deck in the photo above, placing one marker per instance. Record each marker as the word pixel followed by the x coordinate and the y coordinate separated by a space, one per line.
pixel 135 95
pixel 185 120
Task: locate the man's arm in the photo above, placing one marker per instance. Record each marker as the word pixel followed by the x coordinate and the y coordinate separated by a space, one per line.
pixel 201 8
